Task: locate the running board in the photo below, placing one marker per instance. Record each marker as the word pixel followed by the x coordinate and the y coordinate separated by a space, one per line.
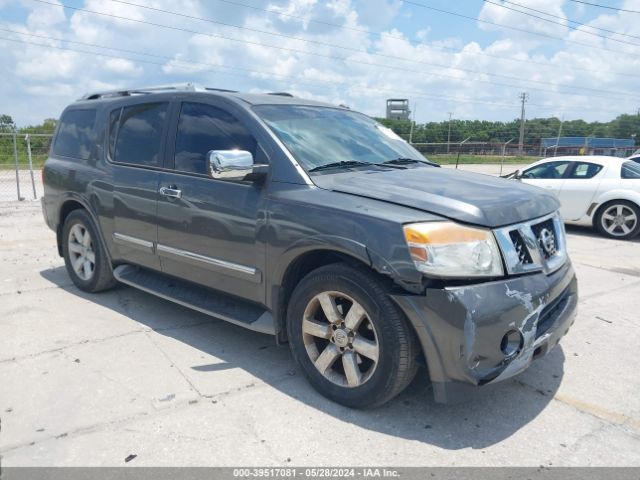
pixel 198 298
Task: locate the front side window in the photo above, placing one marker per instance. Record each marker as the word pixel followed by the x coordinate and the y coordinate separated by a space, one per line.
pixel 585 170
pixel 547 170
pixel 76 135
pixel 630 169
pixel 202 128
pixel 139 134
pixel 318 136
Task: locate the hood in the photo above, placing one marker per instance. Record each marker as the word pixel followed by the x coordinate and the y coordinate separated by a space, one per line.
pixel 468 197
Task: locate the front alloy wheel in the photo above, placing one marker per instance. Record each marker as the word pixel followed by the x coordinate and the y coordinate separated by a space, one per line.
pixel 340 339
pixel 349 338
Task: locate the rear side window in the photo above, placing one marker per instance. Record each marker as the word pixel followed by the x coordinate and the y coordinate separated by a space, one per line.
pixel 76 135
pixel 138 133
pixel 630 170
pixel 585 170
pixel 202 128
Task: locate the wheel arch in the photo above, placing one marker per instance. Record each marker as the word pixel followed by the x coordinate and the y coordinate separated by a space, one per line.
pixel 70 205
pixel 310 260
pixel 612 197
pixel 297 267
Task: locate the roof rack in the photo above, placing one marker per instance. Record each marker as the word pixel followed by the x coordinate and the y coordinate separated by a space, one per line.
pixel 185 87
pixel 138 91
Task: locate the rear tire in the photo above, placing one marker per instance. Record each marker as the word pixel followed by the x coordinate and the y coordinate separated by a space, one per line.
pixel 618 219
pixel 362 353
pixel 84 256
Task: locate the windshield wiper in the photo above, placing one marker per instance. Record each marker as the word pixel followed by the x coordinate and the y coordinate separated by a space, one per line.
pixel 405 161
pixel 342 163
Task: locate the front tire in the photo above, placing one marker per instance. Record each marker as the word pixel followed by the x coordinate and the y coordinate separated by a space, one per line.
pixel 618 219
pixel 86 261
pixel 348 337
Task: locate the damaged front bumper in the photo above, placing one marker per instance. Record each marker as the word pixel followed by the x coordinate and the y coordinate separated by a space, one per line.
pixel 478 334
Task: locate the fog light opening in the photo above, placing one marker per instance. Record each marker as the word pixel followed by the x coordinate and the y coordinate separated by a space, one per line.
pixel 511 343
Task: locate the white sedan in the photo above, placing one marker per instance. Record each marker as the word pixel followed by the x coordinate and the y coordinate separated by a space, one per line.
pixel 598 191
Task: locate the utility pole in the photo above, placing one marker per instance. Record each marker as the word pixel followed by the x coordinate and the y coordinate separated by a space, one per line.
pixel 413 123
pixel 449 134
pixel 523 98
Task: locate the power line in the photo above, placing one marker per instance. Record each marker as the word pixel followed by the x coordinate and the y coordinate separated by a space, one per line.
pixel 436 47
pixel 342 47
pixel 216 67
pixel 509 27
pixel 558 23
pixel 572 21
pixel 346 59
pixel 605 6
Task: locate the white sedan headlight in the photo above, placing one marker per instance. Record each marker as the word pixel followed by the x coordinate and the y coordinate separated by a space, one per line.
pixel 447 249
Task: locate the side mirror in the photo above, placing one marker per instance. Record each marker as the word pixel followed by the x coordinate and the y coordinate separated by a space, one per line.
pixel 234 165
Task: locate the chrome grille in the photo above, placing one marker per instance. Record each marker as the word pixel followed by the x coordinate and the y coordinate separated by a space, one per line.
pixel 521 248
pixel 533 246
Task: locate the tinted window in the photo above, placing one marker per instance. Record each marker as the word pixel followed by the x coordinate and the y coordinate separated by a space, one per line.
pixel 585 170
pixel 630 170
pixel 202 128
pixel 139 136
pixel 76 136
pixel 547 170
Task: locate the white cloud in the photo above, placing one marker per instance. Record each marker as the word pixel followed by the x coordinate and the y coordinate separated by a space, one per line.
pixel 439 74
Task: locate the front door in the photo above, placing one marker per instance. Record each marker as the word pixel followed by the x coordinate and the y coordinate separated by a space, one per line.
pixel 207 228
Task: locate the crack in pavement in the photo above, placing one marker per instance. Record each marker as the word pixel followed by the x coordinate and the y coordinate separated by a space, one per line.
pixel 104 339
pixel 154 413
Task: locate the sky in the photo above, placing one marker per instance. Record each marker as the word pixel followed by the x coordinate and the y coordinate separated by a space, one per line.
pixel 472 58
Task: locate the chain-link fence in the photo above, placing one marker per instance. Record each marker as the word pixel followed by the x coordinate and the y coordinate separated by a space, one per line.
pixel 21 159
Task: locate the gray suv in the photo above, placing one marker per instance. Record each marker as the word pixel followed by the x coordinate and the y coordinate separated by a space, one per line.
pixel 317 225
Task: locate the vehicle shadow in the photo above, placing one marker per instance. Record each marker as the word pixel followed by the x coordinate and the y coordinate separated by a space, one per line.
pixel 493 414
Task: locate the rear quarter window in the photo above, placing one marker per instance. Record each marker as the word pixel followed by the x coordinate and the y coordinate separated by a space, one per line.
pixel 630 170
pixel 76 134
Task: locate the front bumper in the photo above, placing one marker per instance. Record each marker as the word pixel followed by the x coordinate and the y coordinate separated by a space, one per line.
pixel 461 328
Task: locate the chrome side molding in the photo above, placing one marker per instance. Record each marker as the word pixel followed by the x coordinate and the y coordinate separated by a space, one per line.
pixel 130 241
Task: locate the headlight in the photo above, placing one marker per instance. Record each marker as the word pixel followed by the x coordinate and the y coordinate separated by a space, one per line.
pixel 446 249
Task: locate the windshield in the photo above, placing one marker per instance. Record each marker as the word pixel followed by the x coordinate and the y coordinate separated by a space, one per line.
pixel 318 136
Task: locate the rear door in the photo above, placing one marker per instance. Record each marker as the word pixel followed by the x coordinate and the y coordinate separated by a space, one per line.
pixel 579 189
pixel 136 149
pixel 549 175
pixel 208 231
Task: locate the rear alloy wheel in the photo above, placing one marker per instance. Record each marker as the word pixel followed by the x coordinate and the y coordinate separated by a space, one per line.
pixel 81 254
pixel 86 261
pixel 349 338
pixel 619 219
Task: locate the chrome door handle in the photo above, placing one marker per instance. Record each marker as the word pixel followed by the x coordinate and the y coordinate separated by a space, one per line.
pixel 171 192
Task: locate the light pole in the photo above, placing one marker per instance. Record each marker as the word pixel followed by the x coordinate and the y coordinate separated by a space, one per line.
pixel 523 97
pixel 504 153
pixel 449 134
